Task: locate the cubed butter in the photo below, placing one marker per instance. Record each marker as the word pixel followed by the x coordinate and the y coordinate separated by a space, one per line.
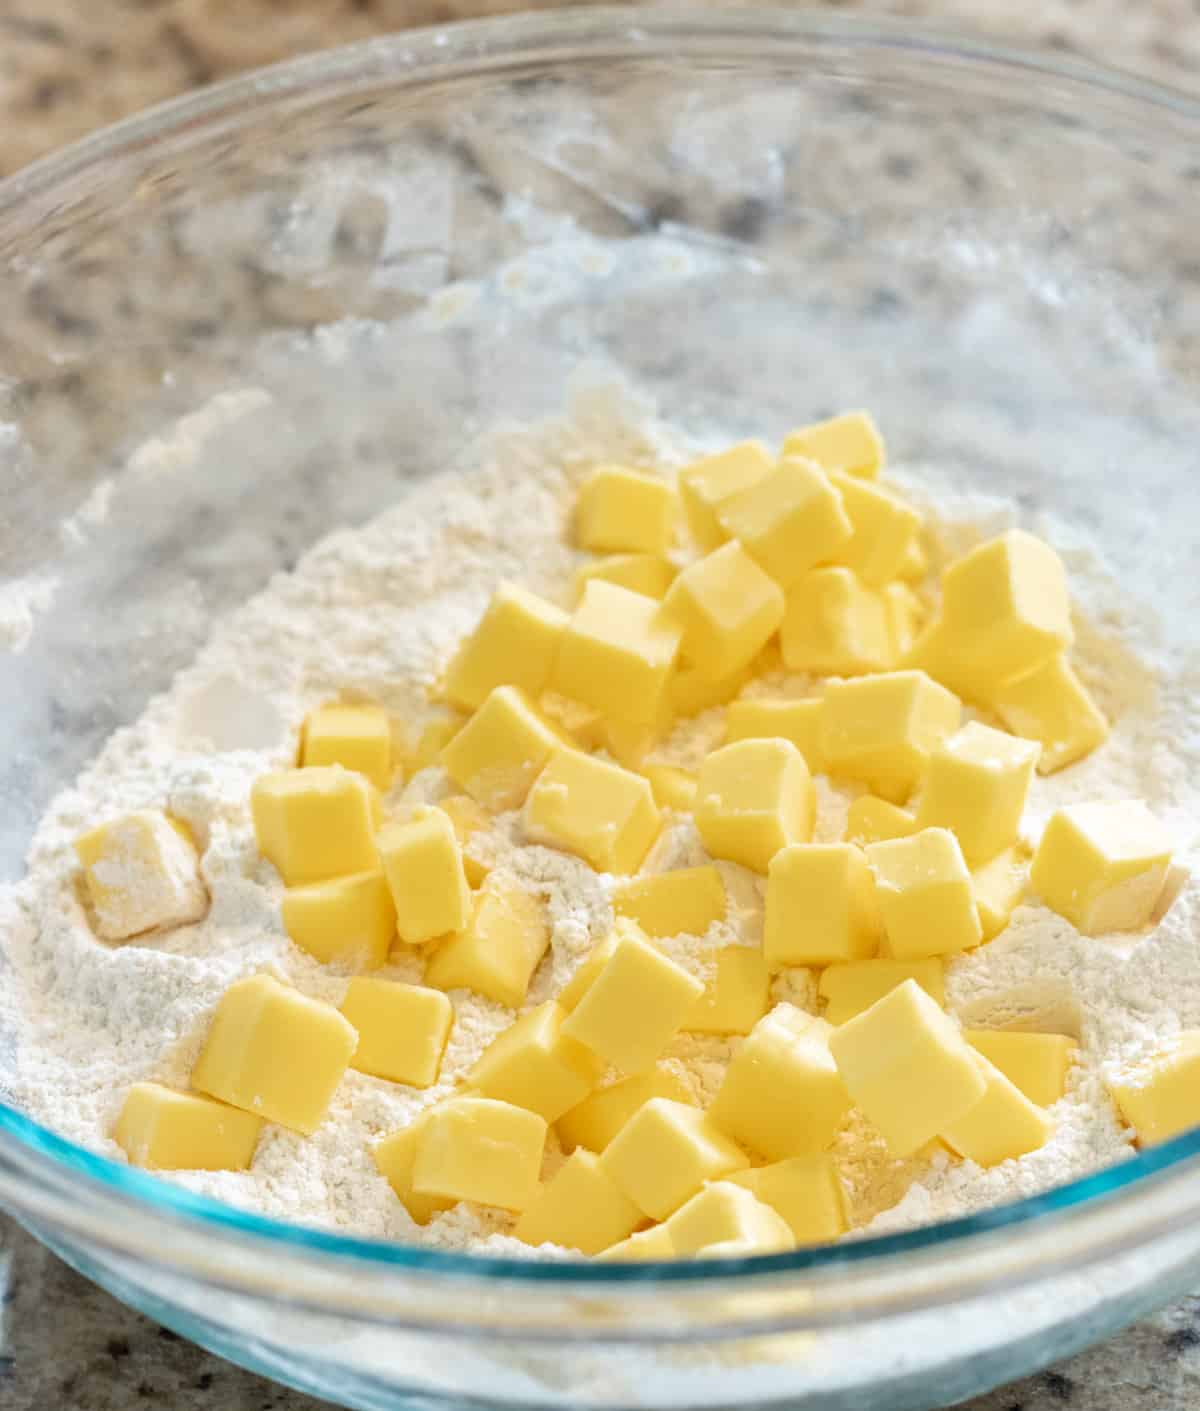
pixel 706 484
pixel 1002 1125
pixel 925 895
pixel 533 1065
pixel 277 1053
pixel 728 609
pixel 163 1130
pixel 820 907
pixel 315 823
pixel 906 616
pixel 672 788
pixel 500 751
pixel 357 737
pixel 850 988
pixel 394 1156
pixel 141 872
pixel 402 1030
pixel 665 1153
pixel 736 997
pixel 513 645
pixel 883 527
pixel 654 1243
pixel 806 1191
pixel 1051 705
pixel 915 565
pixel 850 442
pixel 629 743
pixel 766 719
pixel 475 1148
pixel 350 921
pixel 1160 1097
pixel 681 903
pixel 625 511
pixel 752 798
pixel 648 574
pixel 581 1207
pixel 834 625
pixel 1037 1063
pixel 500 947
pixel 872 820
pixel 722 1212
pixel 596 810
pixel 434 739
pixel 602 1114
pixel 585 974
pixel 467 818
pixel 789 521
pixel 422 862
pixel 691 690
pixel 975 784
pixel 999 887
pixel 583 724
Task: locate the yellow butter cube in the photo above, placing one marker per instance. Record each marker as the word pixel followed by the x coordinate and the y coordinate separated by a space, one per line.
pixel 883 526
pixel 634 1007
pixel 422 862
pixel 581 1207
pixel 581 981
pixel 1002 1125
pixel 277 1053
pixel 706 484
pixel 654 1243
pixel 915 565
pixel 999 887
pixel 672 788
pixel 905 615
pixel 357 737
pixel 882 729
pixel 728 609
pixel 648 574
pixel 835 626
pixel 475 1148
pixel 781 1095
pixel 1161 1097
pixel 691 690
pixel 583 724
pixel 434 739
pixel 1036 1063
pixel 850 442
pixel 501 750
pixel 1052 706
pixel 925 895
pixel 789 521
pixel 467 818
pixel 1102 865
pixel 596 810
pixel 629 744
pixel 764 719
pixel 402 1030
pixel 872 820
pixel 806 1191
pixel 908 1067
pixel 850 988
pixel 682 903
pixel 163 1130
pixel 975 784
pixel 141 872
pixel 625 511
pixel 500 947
pixel 752 798
pixel 315 823
pixel 722 1212
pixel 736 998
pixel 821 906
pixel 665 1153
pixel 347 920
pixel 513 645
pixel 533 1065
pixel 601 1115
pixel 394 1156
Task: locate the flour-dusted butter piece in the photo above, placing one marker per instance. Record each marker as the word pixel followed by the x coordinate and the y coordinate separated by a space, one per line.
pixel 908 1067
pixel 736 997
pixel 625 511
pixel 513 645
pixel 433 740
pixel 596 810
pixel 728 609
pixel 682 903
pixel 315 823
pixel 357 737
pixel 142 872
pixel 1102 865
pixel 850 988
pixel 754 797
pixel 499 948
pixel 673 788
pixel 762 718
pixel 789 521
pixel 706 484
pixel 534 1065
pixel 1051 705
pixel 1037 1063
pixel 581 1207
pixel 872 820
pixel 722 1212
pixel 500 751
pixel 781 1095
pixel 850 442
pixel 350 921
pixel 163 1130
pixel 475 1148
pixel 806 1191
pixel 402 1030
pixel 648 574
pixel 834 625
pixel 277 1053
pixel 665 1153
pixel 975 784
pixel 629 742
pixel 999 887
pixel 583 724
pixel 820 906
pixel 422 862
pixel 602 1114
pixel 467 818
pixel 1002 1125
pixel 925 895
pixel 654 1243
pixel 883 525
pixel 1160 1097
pixel 394 1156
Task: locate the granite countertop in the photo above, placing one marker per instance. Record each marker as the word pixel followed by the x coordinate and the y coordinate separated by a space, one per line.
pixel 67 66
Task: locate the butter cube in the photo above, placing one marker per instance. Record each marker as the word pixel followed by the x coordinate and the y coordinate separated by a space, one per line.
pixel 634 1007
pixel 474 1148
pixel 915 566
pixel 347 920
pixel 625 511
pixel 500 948
pixel 1161 1097
pixel 162 1130
pixel 434 739
pixel 681 903
pixel 691 690
pixel 513 645
pixel 850 442
pixel 763 719
pixel 906 616
pixel 850 988
pixel 581 981
pixel 975 784
pixel 1036 1063
pixel 141 872
pixel 596 810
pixel 272 1051
pixel 781 1095
pixel 648 574
pixel 601 1115
pixel 752 798
pixel 583 724
pixel 617 653
pixel 789 521
pixel 835 626
pixel 821 906
pixel 925 895
pixel 728 609
pixel 665 1153
pixel 872 820
pixel 908 1067
pixel 533 1065
pixel 672 788
pixel 423 866
pixel 1052 706
pixel 500 751
pixel 806 1191
pixel 629 744
pixel 883 526
pixel 315 823
pixel 467 818
pixel 722 1212
pixel 882 729
pixel 999 888
pixel 581 1207
pixel 735 999
pixel 1003 1124
pixel 394 1156
pixel 1102 865
pixel 402 1030
pixel 654 1243
pixel 706 484
pixel 357 737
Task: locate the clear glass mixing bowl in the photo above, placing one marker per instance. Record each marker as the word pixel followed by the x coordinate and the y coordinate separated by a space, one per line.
pixel 759 216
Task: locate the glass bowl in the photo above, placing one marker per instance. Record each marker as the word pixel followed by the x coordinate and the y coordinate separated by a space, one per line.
pixel 758 216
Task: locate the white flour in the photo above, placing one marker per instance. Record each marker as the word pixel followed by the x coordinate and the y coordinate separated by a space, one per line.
pixel 375 612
